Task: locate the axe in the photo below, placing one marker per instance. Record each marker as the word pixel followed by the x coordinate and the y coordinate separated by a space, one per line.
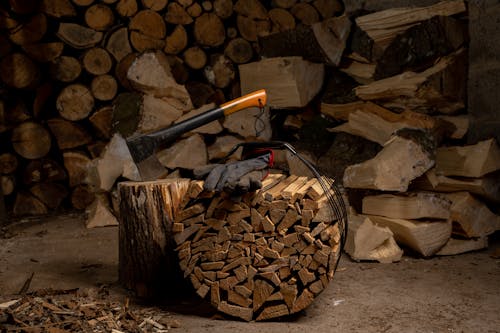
pixel 142 147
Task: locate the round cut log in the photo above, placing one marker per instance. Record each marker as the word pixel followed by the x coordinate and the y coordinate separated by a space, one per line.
pixel 31 140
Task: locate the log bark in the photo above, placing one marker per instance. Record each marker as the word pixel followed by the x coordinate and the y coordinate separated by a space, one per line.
pixel 151 269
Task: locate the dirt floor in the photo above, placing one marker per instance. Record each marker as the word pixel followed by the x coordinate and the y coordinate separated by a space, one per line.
pixel 442 294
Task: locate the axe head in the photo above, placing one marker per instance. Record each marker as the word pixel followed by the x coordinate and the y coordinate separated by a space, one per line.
pixel 142 149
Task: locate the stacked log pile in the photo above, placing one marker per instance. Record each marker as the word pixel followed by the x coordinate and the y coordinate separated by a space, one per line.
pixel 426 190
pixel 66 85
pixel 266 256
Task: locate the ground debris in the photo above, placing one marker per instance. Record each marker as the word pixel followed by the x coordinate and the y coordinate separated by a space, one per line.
pixel 61 311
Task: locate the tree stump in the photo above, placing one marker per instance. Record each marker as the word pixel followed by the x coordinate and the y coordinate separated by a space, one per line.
pixel 147 261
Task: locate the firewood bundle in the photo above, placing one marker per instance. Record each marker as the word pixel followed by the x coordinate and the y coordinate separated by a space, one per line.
pixel 402 85
pixel 266 256
pixel 66 89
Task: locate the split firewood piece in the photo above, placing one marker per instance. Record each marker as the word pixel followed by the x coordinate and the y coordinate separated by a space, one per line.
pixel 221 147
pixel 188 153
pixel 156 113
pixel 420 91
pixel 31 31
pixel 31 140
pixel 461 123
pixel 255 259
pixel 77 164
pixel 409 206
pixel 50 194
pixel 400 161
pixel 26 75
pixel 468 161
pixel 118 44
pixel 379 124
pixel 281 19
pixel 78 36
pixel 99 17
pixel 176 14
pixel 27 204
pixel 383 27
pixel 250 123
pixel 473 217
pixel 150 73
pixel 342 111
pixel 176 41
pixel 99 213
pixel 220 71
pixel 425 237
pixel 8 163
pixel 7 184
pixel 320 42
pixel 274 73
pixel 68 134
pixel 127 8
pixel 82 196
pixel 487 187
pixel 362 72
pixel 58 8
pixel 456 246
pixel 114 162
pixel 44 52
pixel 65 69
pixel 368 241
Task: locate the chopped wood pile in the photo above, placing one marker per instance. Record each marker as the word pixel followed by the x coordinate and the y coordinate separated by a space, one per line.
pixel 80 311
pixel 426 190
pixel 74 73
pixel 266 256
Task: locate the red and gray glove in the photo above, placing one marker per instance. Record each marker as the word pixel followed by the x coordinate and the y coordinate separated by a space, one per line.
pixel 236 177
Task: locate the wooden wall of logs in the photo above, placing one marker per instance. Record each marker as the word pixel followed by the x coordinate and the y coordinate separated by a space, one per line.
pixel 63 70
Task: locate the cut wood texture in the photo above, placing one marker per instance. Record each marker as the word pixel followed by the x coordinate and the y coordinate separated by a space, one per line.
pixel 468 161
pixel 261 258
pixel 487 187
pixel 434 89
pixel 147 212
pixel 68 134
pixel 75 102
pixel 368 241
pixel 473 217
pixel 18 71
pixel 320 42
pixel 456 246
pixel 383 27
pixel 409 206
pixel 289 81
pixel 424 237
pixel 31 140
pixel 189 153
pixel 99 213
pixel 78 36
pixel 400 161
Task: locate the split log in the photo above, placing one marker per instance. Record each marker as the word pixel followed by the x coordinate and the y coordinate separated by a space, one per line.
pixel 487 187
pixel 321 42
pixel 250 123
pixel 468 161
pixel 400 161
pixel 472 217
pixel 43 170
pixel 213 127
pixel 251 29
pixel 8 163
pixel 114 162
pixel 76 164
pixel 99 213
pixel 31 140
pixel 382 27
pixel 58 8
pixel 156 5
pixel 150 73
pixel 222 146
pixel 50 194
pixel 456 246
pixel 78 36
pixel 187 153
pixel 147 30
pixel 220 71
pixel 425 237
pixel 176 14
pixel 461 123
pixel 68 134
pixel 27 204
pixel 118 44
pixel 362 72
pixel 176 41
pixel 305 13
pixel 82 197
pixel 378 124
pixel 65 69
pixel 127 8
pixel 368 241
pixel 281 20
pixel 277 75
pixel 18 71
pixel 31 31
pixel 44 52
pixel 439 88
pixel 409 206
pixel 151 269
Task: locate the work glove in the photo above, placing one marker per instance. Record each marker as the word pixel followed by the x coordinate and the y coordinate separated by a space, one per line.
pixel 235 177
